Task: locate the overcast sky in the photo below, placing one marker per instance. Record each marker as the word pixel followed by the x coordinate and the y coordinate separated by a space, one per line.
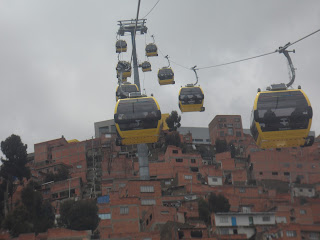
pixel 57 59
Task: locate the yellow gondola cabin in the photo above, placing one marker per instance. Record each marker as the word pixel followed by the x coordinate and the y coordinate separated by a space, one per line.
pixel 191 99
pixel 281 119
pixel 137 120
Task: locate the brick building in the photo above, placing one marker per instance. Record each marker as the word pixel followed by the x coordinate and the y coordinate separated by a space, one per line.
pixel 280 185
pixel 226 127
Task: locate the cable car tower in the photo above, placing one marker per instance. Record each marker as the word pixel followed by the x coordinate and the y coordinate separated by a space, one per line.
pixel 133 27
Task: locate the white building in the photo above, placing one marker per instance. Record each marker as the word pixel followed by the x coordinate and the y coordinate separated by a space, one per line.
pixel 304 190
pixel 242 223
pixel 214 181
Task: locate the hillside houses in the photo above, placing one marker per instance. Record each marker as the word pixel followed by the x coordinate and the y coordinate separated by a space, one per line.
pixel 273 194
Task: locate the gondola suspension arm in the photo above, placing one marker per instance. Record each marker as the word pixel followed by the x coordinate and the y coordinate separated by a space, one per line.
pixel 167 57
pixel 286 54
pixel 195 71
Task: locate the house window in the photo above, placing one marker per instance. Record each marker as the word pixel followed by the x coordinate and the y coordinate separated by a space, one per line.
pixel 266 218
pixel 237 119
pixel 223 220
pixel 175 151
pixel 213 179
pixel 291 233
pixel 193 160
pixel 314 236
pixel 286 173
pixel 303 212
pixel 188 177
pixel 198 140
pixel 309 190
pixel 194 169
pixel 148 202
pixel 104 216
pixel 275 173
pixel 286 164
pixel 164 212
pixel 220 125
pixel 221 133
pixel 196 234
pixel 261 173
pixel 224 231
pixel 146 189
pixel 238 134
pixel 299 165
pixel 124 210
pixel 246 209
pixel 230 131
pixel 79 166
pixel 242 190
pixel 167 182
pixel 230 125
pixel 179 160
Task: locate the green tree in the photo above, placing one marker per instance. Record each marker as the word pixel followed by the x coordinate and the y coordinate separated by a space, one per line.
pixel 2 192
pixel 173 121
pixel 31 215
pixel 221 146
pixel 40 212
pixel 173 138
pixel 13 165
pixel 204 211
pixel 79 215
pixel 62 174
pixel 18 221
pixel 205 151
pixel 218 203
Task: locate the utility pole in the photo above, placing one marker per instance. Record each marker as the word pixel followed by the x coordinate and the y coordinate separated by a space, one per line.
pixel 132 27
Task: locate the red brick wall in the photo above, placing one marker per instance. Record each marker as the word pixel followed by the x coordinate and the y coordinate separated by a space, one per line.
pixel 215 128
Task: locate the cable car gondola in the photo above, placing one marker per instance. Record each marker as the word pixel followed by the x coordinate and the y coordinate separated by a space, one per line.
pixel 191 99
pixel 281 119
pixel 151 50
pixel 137 120
pixel 166 76
pixel 126 89
pixel 121 46
pixel 146 66
pixel 127 70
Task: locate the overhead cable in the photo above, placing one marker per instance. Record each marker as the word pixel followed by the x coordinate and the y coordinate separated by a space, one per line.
pixel 290 44
pixel 173 61
pixel 152 9
pixel 246 59
pixel 218 65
